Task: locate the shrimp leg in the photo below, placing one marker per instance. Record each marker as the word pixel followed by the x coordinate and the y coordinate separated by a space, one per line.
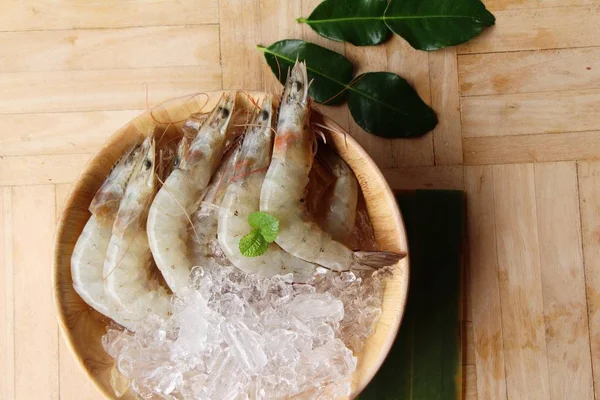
pixel 88 255
pixel 284 188
pixel 243 197
pixel 129 283
pixel 177 199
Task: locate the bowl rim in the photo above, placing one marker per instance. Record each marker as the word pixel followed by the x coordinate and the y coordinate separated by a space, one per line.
pixel 115 137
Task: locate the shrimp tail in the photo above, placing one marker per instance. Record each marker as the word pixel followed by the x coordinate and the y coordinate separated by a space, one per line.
pixel 368 260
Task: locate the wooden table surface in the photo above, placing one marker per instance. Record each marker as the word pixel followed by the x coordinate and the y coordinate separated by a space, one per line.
pixel 519 131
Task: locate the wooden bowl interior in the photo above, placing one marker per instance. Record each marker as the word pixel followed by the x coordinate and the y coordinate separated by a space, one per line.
pixel 83 327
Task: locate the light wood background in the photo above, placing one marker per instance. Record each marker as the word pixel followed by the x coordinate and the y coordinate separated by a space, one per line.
pixel 519 131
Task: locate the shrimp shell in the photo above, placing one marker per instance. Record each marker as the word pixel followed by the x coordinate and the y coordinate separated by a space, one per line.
pixel 87 260
pixel 128 269
pixel 179 196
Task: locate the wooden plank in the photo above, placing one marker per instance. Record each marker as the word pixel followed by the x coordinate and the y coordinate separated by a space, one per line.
pixel 589 202
pixel 7 298
pixel 413 65
pixel 520 278
pixel 340 114
pixel 36 344
pixel 496 5
pixel 39 170
pixel 469 344
pixel 470 382
pixel 445 177
pixel 18 15
pixel 530 113
pixel 242 62
pixel 447 137
pixel 278 21
pixel 532 148
pixel 74 384
pixel 62 191
pixel 109 48
pixel 59 133
pixel 531 71
pixel 563 280
pixel 538 29
pixel 113 89
pixel 485 287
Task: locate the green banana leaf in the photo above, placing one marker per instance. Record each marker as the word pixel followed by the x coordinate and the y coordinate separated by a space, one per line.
pixel 435 24
pixel 425 362
pixel 359 22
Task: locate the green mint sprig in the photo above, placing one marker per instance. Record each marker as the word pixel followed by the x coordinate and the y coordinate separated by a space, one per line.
pixel 266 229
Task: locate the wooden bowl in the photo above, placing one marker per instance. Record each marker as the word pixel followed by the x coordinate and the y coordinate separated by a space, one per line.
pixel 83 327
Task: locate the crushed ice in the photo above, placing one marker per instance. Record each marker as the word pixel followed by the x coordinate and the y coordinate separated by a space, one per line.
pixel 236 336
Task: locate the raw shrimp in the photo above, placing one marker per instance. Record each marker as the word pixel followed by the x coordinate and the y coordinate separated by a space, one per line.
pixel 180 195
pixel 283 191
pixel 340 214
pixel 129 280
pixel 204 246
pixel 87 260
pixel 243 197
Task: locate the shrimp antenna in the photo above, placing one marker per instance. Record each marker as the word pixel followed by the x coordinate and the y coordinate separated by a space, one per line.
pixel 344 134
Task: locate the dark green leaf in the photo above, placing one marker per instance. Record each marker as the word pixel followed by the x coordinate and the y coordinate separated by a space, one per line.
pixel 386 105
pixel 435 24
pixel 267 224
pixel 425 361
pixel 253 244
pixel 359 22
pixel 331 71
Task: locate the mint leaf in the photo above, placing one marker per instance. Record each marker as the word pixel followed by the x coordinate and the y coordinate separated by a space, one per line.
pixel 253 244
pixel 267 224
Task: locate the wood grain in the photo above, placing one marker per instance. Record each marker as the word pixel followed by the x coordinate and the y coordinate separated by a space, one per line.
pixel 36 373
pixel 532 148
pixel 589 202
pixel 496 5
pixel 242 62
pixel 538 29
pixel 523 327
pixel 20 15
pixel 484 282
pixel 530 113
pixel 37 170
pixel 447 136
pixel 563 280
pixel 108 48
pixel 59 133
pixel 111 89
pixel 7 297
pixel 444 177
pixel 277 22
pixel 529 71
